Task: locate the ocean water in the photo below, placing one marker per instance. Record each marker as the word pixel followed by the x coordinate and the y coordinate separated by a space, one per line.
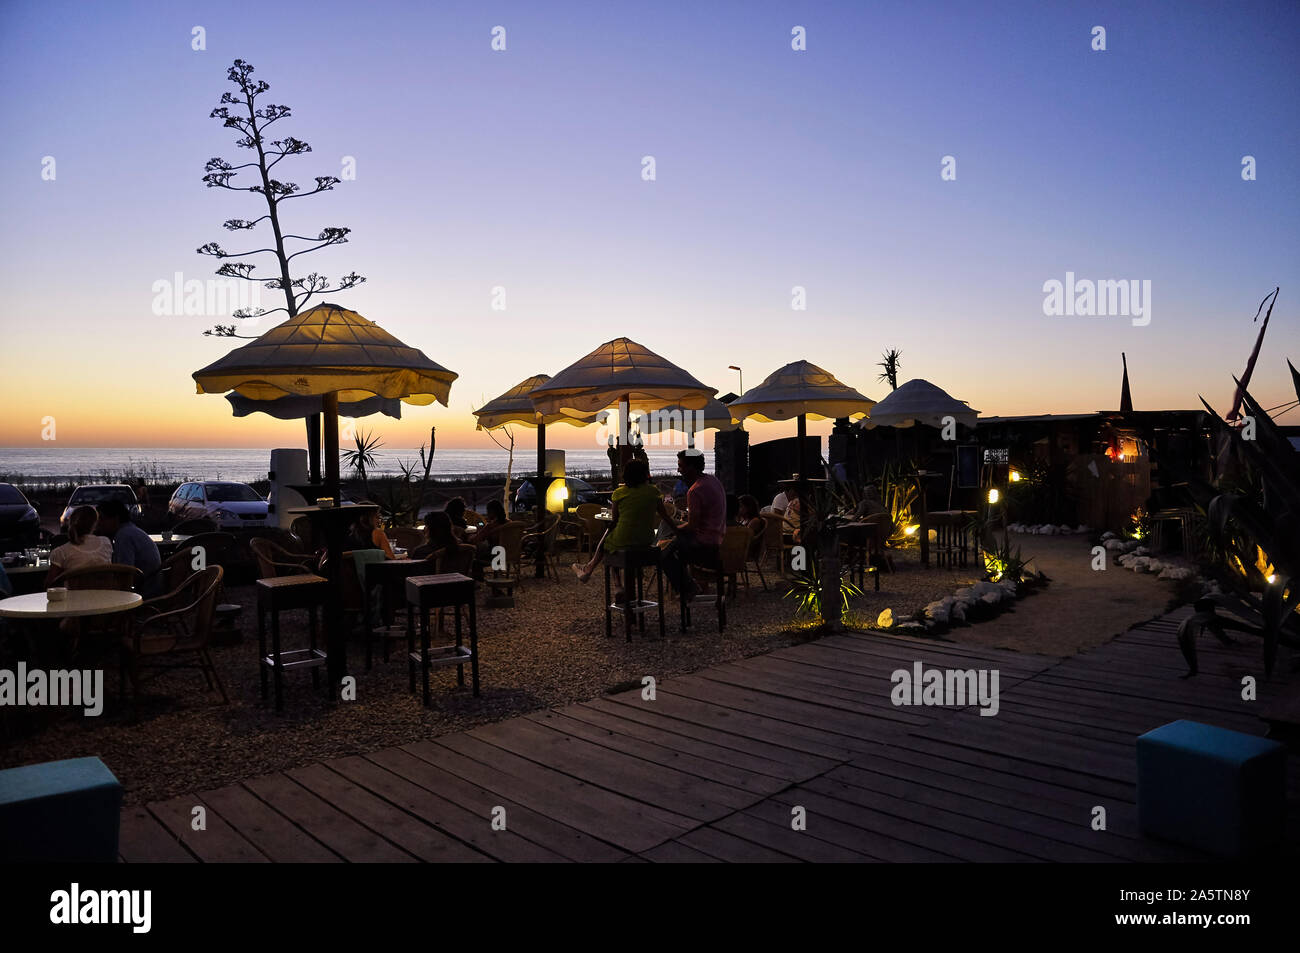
pixel 176 464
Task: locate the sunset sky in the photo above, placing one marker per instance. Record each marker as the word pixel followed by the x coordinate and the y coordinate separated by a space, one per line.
pixel 775 168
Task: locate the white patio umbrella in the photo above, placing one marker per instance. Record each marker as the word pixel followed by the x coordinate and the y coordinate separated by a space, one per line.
pixel 714 416
pixel 800 390
pixel 919 401
pixel 623 374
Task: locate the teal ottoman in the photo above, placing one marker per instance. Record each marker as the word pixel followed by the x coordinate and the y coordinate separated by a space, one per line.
pixel 60 811
pixel 1218 790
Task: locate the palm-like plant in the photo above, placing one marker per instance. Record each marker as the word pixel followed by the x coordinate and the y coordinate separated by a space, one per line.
pixel 362 458
pixel 891 365
pixel 806 590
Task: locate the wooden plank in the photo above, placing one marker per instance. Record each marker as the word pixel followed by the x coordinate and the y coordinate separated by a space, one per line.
pixel 686 796
pixel 1121 839
pixel 265 828
pixel 732 849
pixel 422 840
pixel 1037 835
pixel 765 768
pixel 565 841
pixel 626 742
pixel 867 697
pixel 756 828
pixel 404 780
pixel 680 716
pixel 619 820
pixel 331 827
pixel 218 843
pixel 675 852
pixel 143 840
pixel 913 834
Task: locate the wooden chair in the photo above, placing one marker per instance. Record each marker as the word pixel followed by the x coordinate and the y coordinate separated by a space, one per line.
pixel 733 555
pixel 774 545
pixel 178 624
pixel 274 560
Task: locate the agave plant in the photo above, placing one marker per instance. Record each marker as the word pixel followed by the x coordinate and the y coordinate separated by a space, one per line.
pixel 898 493
pixel 890 365
pixel 1252 525
pixel 362 457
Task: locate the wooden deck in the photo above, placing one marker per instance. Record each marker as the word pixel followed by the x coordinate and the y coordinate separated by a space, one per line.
pixel 713 768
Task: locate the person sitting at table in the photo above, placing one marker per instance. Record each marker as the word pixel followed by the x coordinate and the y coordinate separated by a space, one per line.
pixel 748 516
pixel 455 510
pixel 439 538
pixel 368 533
pixel 635 508
pixel 131 546
pixel 83 547
pixel 490 532
pixel 700 537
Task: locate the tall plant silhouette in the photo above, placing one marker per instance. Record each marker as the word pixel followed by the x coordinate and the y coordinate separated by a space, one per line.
pixel 890 366
pixel 240 111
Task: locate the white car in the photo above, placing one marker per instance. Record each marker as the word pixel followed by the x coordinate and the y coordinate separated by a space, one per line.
pixel 95 493
pixel 229 505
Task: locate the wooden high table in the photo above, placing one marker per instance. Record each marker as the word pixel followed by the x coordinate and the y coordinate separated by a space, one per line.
pixel 331 522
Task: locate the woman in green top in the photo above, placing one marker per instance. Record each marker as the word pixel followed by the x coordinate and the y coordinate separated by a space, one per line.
pixel 636 509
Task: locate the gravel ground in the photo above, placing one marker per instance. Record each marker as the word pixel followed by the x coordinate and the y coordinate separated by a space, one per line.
pixel 549 650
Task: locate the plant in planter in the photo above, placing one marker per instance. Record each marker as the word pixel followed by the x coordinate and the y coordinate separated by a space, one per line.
pixel 806 589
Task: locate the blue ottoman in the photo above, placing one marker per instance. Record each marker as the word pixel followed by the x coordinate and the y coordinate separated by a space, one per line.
pixel 1218 790
pixel 60 811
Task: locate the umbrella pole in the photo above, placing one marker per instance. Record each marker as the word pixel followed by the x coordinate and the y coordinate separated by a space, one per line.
pixel 335 634
pixel 542 486
pixel 313 448
pixel 624 425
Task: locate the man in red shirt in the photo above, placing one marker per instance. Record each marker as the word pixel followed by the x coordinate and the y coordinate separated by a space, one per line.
pixel 699 538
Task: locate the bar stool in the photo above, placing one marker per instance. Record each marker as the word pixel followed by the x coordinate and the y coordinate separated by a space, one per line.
pixel 440 591
pixel 633 562
pixel 710 562
pixel 390 576
pixel 281 593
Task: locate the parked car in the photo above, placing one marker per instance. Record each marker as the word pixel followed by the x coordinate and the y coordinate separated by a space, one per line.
pixel 20 524
pixel 92 494
pixel 580 491
pixel 229 505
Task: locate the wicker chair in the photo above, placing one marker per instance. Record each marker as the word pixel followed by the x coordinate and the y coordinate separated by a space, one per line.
pixel 274 560
pixel 733 555
pixel 407 537
pixel 108 576
pixel 178 624
pixel 592 529
pixel 547 541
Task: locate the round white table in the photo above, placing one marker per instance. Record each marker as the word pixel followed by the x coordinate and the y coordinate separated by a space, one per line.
pixel 76 602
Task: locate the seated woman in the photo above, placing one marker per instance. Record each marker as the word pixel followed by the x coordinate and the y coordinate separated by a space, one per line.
pixel 455 511
pixel 83 548
pixel 489 533
pixel 439 537
pixel 636 508
pixel 368 533
pixel 749 517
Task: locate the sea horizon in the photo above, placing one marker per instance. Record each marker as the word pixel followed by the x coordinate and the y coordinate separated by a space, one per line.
pixel 58 465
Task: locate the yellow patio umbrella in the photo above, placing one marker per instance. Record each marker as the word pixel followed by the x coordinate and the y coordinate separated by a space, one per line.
pixel 802 390
pixel 514 407
pixel 623 374
pixel 333 353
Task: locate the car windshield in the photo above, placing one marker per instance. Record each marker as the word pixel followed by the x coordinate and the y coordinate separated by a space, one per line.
pixel 94 495
pixel 231 493
pixel 10 494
